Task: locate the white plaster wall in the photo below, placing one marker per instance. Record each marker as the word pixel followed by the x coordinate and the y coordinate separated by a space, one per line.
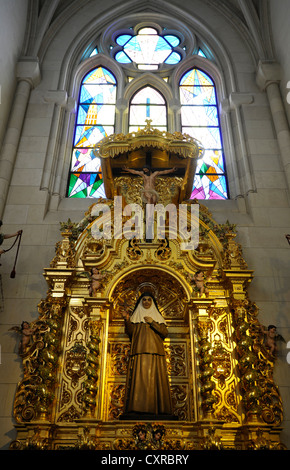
pixel 280 18
pixel 13 23
pixel 262 216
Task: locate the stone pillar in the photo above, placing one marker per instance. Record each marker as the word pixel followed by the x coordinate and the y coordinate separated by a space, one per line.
pixel 59 99
pixel 28 75
pixel 244 180
pixel 268 79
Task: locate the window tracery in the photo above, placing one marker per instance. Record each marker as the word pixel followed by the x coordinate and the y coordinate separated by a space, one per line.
pixel 193 109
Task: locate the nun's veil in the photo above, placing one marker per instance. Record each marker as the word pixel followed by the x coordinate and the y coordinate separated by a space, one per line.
pixel 139 311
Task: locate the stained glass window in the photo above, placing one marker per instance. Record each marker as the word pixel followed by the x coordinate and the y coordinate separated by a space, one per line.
pixel 137 50
pixel 147 103
pixel 200 119
pixel 95 120
pixel 147 49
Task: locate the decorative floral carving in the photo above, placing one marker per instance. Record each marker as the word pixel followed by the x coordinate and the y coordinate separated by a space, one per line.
pixel 65 252
pixel 35 392
pixel 221 363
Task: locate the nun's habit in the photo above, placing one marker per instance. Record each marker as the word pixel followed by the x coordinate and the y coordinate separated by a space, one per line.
pixel 147 387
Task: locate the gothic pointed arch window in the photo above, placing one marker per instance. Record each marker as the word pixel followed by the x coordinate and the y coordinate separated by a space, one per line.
pixel 147 103
pixel 153 84
pixel 95 120
pixel 200 119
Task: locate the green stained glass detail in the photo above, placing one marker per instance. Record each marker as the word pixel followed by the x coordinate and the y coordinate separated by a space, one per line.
pixel 95 120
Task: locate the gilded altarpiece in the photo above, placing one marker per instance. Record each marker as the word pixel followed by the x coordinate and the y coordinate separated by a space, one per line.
pixel 74 368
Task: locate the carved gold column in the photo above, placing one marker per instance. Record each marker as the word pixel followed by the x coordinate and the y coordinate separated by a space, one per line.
pixel 247 359
pixel 93 386
pixel 92 370
pixel 202 326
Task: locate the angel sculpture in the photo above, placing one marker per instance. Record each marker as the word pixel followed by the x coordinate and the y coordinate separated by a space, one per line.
pixel 199 283
pixel 94 276
pixel 271 338
pixel 26 331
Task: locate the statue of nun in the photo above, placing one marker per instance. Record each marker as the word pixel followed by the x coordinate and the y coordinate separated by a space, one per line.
pixel 147 388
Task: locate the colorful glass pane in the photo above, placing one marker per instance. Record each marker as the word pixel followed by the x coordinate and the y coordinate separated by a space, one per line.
pixel 196 77
pixel 88 136
pixel 199 116
pixel 201 53
pixel 99 75
pixel 197 95
pixel 208 136
pixel 147 103
pixel 86 185
pixel 94 52
pixel 122 58
pixel 213 159
pixel 95 120
pixel 174 58
pixel 173 40
pixel 147 49
pixel 121 40
pixel 200 119
pixel 209 187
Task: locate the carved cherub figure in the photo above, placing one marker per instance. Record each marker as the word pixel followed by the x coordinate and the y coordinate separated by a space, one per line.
pixel 140 434
pixel 26 331
pixel 271 337
pixel 199 283
pixel 157 437
pixel 95 278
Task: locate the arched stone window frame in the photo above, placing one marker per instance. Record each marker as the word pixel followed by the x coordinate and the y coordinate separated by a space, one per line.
pixel 73 74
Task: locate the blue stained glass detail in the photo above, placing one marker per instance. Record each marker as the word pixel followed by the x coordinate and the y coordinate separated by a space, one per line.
pixel 94 52
pixel 122 58
pixel 174 58
pixel 201 53
pixel 173 40
pixel 121 40
pixel 147 48
pixel 147 103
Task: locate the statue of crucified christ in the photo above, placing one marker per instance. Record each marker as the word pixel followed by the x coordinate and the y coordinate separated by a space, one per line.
pixel 149 194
